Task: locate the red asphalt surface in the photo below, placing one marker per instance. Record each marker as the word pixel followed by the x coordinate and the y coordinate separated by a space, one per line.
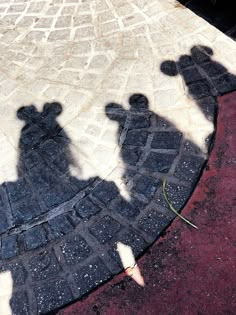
pixel 187 271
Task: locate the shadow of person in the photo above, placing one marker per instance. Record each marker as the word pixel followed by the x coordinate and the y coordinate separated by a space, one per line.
pixel 44 160
pixel 140 129
pixel 42 131
pixel 149 145
pixel 202 75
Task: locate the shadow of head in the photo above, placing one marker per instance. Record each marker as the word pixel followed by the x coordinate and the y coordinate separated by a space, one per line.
pixel 198 54
pixel 30 113
pixel 137 103
pixel 38 124
pixel 201 53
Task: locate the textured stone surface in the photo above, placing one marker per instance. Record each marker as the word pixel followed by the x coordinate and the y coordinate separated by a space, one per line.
pixel 35 237
pixel 189 168
pixel 51 295
pixel 105 192
pixel 86 208
pixel 105 229
pixel 90 276
pixel 177 195
pixel 159 162
pixel 153 222
pixel 20 304
pixel 43 266
pixel 59 226
pixel 99 101
pixel 146 186
pixel 166 140
pixel 127 209
pixel 9 247
pixel 75 250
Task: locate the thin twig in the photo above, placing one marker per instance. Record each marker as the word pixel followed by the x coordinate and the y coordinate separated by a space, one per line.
pixel 172 208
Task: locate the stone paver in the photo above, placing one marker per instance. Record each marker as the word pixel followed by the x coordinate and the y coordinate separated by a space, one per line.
pixel 100 101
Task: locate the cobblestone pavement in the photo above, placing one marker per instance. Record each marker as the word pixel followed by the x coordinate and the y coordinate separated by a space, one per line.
pixel 99 101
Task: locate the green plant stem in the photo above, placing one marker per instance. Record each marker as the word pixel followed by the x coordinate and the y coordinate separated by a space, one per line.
pixel 172 208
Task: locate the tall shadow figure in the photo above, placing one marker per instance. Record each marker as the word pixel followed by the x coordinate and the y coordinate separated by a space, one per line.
pixel 44 160
pixel 147 142
pixel 203 77
pixel 139 125
pixel 132 126
pixel 42 131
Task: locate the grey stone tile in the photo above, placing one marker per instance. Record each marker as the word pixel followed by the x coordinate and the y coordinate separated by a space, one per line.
pixel 128 209
pixel 52 295
pixel 132 155
pixel 136 138
pixel 146 186
pixel 90 276
pixel 35 237
pixel 59 226
pixel 199 89
pixel 9 247
pixel 44 266
pixel 189 168
pixel 154 222
pixel 166 140
pixel 105 229
pixel 19 303
pixel 75 250
pixel 159 162
pixel 106 192
pixel 86 208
